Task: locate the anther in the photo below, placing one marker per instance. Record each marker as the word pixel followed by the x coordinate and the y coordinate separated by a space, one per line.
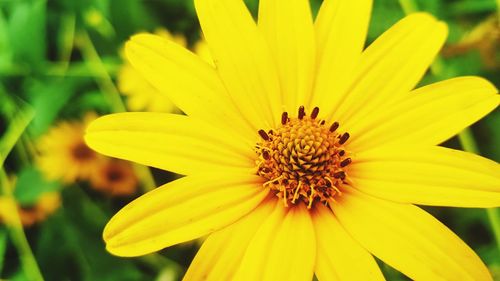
pixel 302 112
pixel 266 155
pixel 344 138
pixel 334 126
pixel 339 175
pixel 263 134
pixel 315 112
pixel 342 153
pixel 284 118
pixel 322 122
pixel 345 162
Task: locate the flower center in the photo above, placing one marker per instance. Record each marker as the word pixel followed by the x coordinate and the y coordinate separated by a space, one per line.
pixel 303 159
pixel 82 152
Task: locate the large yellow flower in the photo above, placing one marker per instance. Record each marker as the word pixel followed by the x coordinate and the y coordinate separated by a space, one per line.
pixel 303 153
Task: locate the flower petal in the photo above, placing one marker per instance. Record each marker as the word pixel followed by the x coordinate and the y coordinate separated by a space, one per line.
pixel 221 253
pixel 182 210
pixel 430 115
pixel 339 257
pixel 408 239
pixel 242 58
pixel 189 82
pixel 428 176
pixel 341 28
pixel 391 67
pixel 283 248
pixel 170 142
pixel 288 27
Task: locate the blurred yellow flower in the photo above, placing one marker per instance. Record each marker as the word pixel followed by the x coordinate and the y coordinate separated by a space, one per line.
pixel 141 95
pixel 64 154
pixel 46 205
pixel 115 178
pixel 287 190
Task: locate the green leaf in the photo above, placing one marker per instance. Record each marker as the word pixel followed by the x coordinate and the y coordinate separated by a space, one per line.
pixel 27 32
pixel 14 131
pixel 3 246
pixel 31 185
pixel 48 98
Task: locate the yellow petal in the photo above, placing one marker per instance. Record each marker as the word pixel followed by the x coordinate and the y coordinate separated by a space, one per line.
pixel 171 142
pixel 339 257
pixel 182 210
pixel 391 67
pixel 288 28
pixel 283 248
pixel 430 115
pixel 242 59
pixel 220 255
pixel 408 239
pixel 428 176
pixel 341 28
pixel 190 83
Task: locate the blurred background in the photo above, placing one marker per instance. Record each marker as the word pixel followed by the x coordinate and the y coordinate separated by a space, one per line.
pixel 62 65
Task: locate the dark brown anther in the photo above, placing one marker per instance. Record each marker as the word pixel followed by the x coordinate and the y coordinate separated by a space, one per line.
pixel 334 126
pixel 339 175
pixel 266 155
pixel 315 112
pixel 344 138
pixel 284 118
pixel 302 112
pixel 263 135
pixel 342 153
pixel 345 162
pixel 322 122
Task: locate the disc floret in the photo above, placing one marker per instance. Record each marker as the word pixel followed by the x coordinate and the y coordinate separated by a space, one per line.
pixel 304 159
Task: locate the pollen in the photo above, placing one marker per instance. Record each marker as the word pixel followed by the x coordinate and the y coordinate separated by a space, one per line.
pixel 304 159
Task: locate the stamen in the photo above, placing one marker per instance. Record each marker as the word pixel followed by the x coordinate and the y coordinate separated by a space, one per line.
pixel 334 126
pixel 345 162
pixel 339 175
pixel 263 134
pixel 284 118
pixel 302 160
pixel 315 113
pixel 344 138
pixel 302 112
pixel 266 155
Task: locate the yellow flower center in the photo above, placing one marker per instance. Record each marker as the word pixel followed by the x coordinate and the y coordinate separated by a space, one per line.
pixel 303 159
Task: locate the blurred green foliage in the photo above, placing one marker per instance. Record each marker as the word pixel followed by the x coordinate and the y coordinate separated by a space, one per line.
pixel 45 75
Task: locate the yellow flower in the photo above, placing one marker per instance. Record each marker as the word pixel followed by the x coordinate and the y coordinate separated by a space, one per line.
pixel 141 95
pixel 46 205
pixel 303 153
pixel 114 177
pixel 64 154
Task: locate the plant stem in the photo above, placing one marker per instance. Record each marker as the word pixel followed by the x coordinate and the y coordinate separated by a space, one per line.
pixel 16 232
pixel 112 94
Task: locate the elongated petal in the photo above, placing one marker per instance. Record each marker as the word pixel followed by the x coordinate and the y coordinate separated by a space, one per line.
pixel 408 239
pixel 170 142
pixel 221 254
pixel 288 28
pixel 428 176
pixel 182 210
pixel 391 67
pixel 338 256
pixel 283 248
pixel 341 28
pixel 242 58
pixel 430 115
pixel 189 82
